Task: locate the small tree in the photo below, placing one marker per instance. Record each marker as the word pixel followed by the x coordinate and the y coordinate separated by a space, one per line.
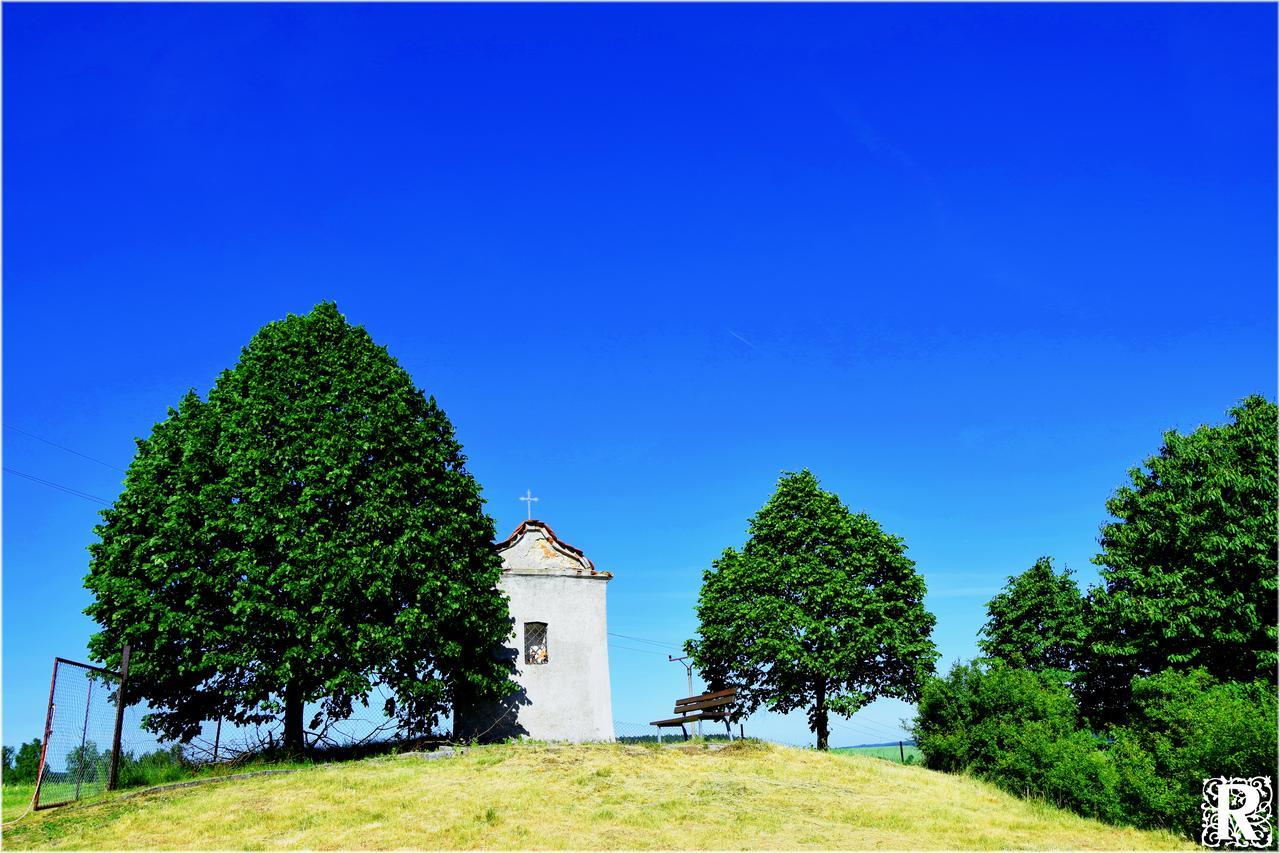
pixel 1037 620
pixel 821 609
pixel 307 532
pixel 83 762
pixel 26 762
pixel 1189 564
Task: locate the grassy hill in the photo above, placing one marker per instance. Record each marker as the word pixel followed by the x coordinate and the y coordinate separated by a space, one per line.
pixel 535 796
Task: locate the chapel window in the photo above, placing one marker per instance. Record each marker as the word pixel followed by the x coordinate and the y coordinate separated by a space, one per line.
pixel 535 642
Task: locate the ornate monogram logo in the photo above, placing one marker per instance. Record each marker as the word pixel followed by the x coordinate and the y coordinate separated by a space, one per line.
pixel 1237 812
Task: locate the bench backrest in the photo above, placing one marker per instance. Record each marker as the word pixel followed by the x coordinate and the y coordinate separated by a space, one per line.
pixel 706 701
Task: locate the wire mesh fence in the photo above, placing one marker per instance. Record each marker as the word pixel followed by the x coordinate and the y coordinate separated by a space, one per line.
pixel 624 732
pixel 75 760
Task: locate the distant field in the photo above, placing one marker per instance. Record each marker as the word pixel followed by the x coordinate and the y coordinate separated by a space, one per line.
pixel 601 796
pixel 889 753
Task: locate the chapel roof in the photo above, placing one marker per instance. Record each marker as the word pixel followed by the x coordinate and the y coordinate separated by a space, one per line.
pixel 534 525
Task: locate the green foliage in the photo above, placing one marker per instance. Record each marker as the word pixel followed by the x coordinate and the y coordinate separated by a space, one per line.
pixel 1036 621
pixel 87 763
pixel 1020 730
pixel 977 718
pixel 821 609
pixel 152 768
pixel 307 532
pixel 7 766
pixel 1189 565
pixel 26 762
pixel 1185 727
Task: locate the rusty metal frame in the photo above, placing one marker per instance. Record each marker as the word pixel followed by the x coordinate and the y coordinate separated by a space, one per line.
pixel 36 805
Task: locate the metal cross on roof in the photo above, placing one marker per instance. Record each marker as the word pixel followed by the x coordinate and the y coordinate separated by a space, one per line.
pixel 529 500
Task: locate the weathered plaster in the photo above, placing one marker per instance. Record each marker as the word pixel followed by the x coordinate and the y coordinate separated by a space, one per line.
pixel 567 698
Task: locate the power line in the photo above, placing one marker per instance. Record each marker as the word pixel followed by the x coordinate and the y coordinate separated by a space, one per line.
pixel 630 649
pixel 870 733
pixel 643 640
pixel 864 721
pixel 61 447
pixel 57 486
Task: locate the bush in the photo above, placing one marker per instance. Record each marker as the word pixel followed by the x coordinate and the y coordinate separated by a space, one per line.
pixel 977 715
pixel 1021 731
pixel 153 768
pixel 1184 727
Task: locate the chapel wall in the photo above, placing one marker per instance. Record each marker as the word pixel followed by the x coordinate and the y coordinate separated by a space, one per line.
pixel 569 696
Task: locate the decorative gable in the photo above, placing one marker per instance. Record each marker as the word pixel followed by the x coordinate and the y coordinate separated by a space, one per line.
pixel 533 549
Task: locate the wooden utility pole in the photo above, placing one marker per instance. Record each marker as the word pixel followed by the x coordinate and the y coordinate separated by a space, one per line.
pixel 114 776
pixel 688 669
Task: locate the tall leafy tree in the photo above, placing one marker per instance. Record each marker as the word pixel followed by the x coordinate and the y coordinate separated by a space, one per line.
pixel 306 533
pixel 1037 620
pixel 821 610
pixel 1188 564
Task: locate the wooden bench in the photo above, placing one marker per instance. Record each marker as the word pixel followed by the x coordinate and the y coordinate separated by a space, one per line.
pixel 705 706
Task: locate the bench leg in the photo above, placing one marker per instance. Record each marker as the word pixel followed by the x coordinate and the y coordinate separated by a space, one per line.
pixel 684 732
pixel 728 730
pixel 659 735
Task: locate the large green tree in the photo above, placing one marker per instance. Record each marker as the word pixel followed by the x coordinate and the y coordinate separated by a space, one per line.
pixel 821 610
pixel 1188 564
pixel 308 532
pixel 1037 620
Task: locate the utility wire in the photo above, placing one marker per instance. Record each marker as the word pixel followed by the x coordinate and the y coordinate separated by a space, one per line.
pixel 57 486
pixel 61 447
pixel 643 640
pixel 865 730
pixel 630 649
pixel 880 725
pixel 869 733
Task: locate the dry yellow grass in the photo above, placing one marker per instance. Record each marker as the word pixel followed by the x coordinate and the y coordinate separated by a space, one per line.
pixel 533 796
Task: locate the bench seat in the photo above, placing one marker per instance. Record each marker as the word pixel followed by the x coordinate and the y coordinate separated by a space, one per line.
pixel 707 706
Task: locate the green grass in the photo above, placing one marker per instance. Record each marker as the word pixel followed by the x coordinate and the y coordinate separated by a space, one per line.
pixel 889 753
pixel 16 798
pixel 601 796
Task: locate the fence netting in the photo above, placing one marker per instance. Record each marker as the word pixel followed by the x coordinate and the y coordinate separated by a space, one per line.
pixel 79 728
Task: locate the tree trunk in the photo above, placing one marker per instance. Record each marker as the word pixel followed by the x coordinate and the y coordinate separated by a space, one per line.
pixel 820 726
pixel 293 741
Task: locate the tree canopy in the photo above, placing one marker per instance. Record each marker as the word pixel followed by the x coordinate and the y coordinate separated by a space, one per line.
pixel 820 609
pixel 26 761
pixel 1188 565
pixel 1037 621
pixel 308 532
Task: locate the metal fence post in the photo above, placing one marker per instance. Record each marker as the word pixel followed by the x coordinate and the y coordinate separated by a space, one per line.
pixel 113 778
pixel 48 730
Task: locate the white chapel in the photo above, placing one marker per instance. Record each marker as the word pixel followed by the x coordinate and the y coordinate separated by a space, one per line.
pixel 560 644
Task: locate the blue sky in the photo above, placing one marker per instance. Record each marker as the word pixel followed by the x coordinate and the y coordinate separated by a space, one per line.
pixel 966 263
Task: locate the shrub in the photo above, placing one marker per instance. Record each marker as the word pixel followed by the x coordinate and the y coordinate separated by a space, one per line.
pixel 1080 776
pixel 153 768
pixel 981 712
pixel 1184 727
pixel 1021 731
